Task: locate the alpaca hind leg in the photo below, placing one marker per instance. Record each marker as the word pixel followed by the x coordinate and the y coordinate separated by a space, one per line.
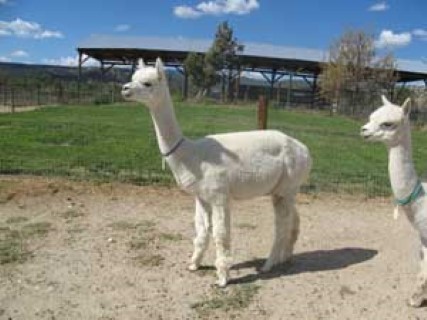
pixel 221 235
pixel 286 226
pixel 420 294
pixel 202 226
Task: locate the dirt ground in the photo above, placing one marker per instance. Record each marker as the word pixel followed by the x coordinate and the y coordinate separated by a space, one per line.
pixel 117 251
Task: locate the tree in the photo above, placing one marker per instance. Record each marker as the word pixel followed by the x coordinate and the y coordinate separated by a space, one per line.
pixel 202 75
pixel 354 75
pixel 222 55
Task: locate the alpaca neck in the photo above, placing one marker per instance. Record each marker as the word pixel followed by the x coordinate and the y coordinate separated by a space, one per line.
pixel 403 177
pixel 167 129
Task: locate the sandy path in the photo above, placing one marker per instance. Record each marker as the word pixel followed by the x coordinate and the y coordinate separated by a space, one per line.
pixel 120 252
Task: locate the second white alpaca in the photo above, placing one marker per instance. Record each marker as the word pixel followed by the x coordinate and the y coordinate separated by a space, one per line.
pixel 222 167
pixel 390 125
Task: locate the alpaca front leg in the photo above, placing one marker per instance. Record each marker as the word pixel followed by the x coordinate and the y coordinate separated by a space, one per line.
pixel 420 294
pixel 202 225
pixel 221 235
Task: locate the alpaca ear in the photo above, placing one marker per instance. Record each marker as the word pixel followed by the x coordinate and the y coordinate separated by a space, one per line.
pixel 160 69
pixel 406 106
pixel 141 63
pixel 384 99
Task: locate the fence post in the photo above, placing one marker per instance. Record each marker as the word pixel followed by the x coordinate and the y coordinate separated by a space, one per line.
pixel 262 113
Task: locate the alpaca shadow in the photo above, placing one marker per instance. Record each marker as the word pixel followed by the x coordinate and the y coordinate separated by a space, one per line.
pixel 320 260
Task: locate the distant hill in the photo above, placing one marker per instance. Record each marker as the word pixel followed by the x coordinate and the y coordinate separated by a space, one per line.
pixel 20 73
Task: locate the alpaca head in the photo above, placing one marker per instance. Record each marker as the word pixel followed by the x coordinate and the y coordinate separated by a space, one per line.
pixel 147 85
pixel 388 123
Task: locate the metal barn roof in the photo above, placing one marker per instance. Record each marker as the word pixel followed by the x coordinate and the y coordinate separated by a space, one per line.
pixel 255 56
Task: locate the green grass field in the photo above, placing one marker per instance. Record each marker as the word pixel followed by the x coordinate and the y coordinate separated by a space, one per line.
pixel 118 143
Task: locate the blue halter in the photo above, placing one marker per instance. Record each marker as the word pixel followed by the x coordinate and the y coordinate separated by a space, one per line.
pixel 415 194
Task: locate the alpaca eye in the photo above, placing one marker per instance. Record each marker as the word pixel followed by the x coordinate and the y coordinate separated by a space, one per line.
pixel 388 125
pixel 147 84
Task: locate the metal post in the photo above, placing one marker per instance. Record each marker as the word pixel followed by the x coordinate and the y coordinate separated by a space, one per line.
pixel 262 113
pixel 79 76
pixel 288 99
pixel 272 81
pixel 313 91
pixel 102 71
pixel 185 87
pixel 237 84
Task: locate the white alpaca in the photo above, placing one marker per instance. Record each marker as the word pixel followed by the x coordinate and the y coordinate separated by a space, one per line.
pixel 222 167
pixel 390 124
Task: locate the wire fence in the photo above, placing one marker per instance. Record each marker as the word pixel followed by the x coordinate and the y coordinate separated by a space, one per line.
pixel 75 143
pixel 14 98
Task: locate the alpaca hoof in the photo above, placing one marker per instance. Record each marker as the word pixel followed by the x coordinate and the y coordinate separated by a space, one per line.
pixel 416 301
pixel 266 268
pixel 193 267
pixel 221 283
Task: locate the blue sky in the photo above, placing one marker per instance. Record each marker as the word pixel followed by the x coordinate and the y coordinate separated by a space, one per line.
pixel 48 31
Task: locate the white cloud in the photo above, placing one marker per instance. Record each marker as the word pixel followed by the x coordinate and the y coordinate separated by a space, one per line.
pixel 4 59
pixel 420 33
pixel 217 7
pixel 26 29
pixel 122 28
pixel 70 61
pixel 380 6
pixel 19 54
pixel 186 12
pixel 389 39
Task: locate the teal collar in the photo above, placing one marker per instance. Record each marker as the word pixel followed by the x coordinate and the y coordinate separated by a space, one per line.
pixel 415 194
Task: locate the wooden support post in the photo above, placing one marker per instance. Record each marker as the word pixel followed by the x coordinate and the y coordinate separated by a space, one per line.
pixel 272 81
pixel 313 91
pixel 262 113
pixel 102 72
pixel 133 68
pixel 237 84
pixel 230 85
pixel 185 86
pixel 288 99
pixel 222 87
pixel 79 76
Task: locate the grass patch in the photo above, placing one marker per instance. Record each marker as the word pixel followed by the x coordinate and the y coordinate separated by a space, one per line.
pixel 106 143
pixel 140 241
pixel 71 213
pixel 246 226
pixel 232 299
pixel 171 237
pixel 37 229
pixel 12 248
pixel 14 241
pixel 123 225
pixel 15 220
pixel 149 260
